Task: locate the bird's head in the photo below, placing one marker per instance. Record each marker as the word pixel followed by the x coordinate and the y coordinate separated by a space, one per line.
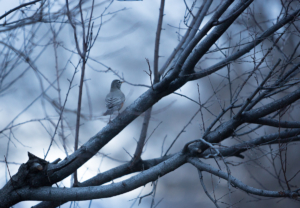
pixel 116 84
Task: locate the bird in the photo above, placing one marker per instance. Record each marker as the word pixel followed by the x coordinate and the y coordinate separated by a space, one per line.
pixel 114 99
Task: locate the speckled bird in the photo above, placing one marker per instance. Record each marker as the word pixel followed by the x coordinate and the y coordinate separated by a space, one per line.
pixel 115 98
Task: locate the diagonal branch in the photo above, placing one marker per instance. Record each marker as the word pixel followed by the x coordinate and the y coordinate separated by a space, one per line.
pixel 183 56
pixel 265 110
pixel 188 36
pixel 235 150
pixel 226 129
pixel 249 99
pixel 212 37
pixel 239 184
pixel 18 7
pixel 247 48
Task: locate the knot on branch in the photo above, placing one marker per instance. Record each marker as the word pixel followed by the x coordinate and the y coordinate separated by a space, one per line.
pixel 32 173
pixel 292 194
pixel 135 163
pixel 194 150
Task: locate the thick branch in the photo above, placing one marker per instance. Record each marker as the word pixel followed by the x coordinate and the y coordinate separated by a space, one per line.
pixel 95 192
pixel 110 175
pixel 247 48
pixel 277 123
pixel 235 150
pixel 213 36
pixel 178 47
pixel 163 84
pixel 265 110
pixel 226 129
pixel 90 148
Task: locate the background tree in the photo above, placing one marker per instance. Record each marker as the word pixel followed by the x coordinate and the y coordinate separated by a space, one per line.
pixel 234 74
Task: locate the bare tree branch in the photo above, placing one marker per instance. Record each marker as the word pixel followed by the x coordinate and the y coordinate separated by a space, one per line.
pixel 237 105
pixel 239 184
pixel 18 7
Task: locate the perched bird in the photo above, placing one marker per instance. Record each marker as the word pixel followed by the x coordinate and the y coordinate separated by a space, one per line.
pixel 114 99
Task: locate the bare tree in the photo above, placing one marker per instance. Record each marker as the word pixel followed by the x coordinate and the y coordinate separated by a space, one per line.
pixel 244 59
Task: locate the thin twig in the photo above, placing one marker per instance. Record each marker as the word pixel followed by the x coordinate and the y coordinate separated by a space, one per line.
pixel 205 190
pixel 182 130
pixel 157 40
pixel 61 113
pixel 149 73
pixel 18 7
pixel 12 181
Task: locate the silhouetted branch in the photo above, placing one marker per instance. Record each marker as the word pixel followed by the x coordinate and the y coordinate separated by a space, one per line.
pixel 18 7
pixel 239 184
